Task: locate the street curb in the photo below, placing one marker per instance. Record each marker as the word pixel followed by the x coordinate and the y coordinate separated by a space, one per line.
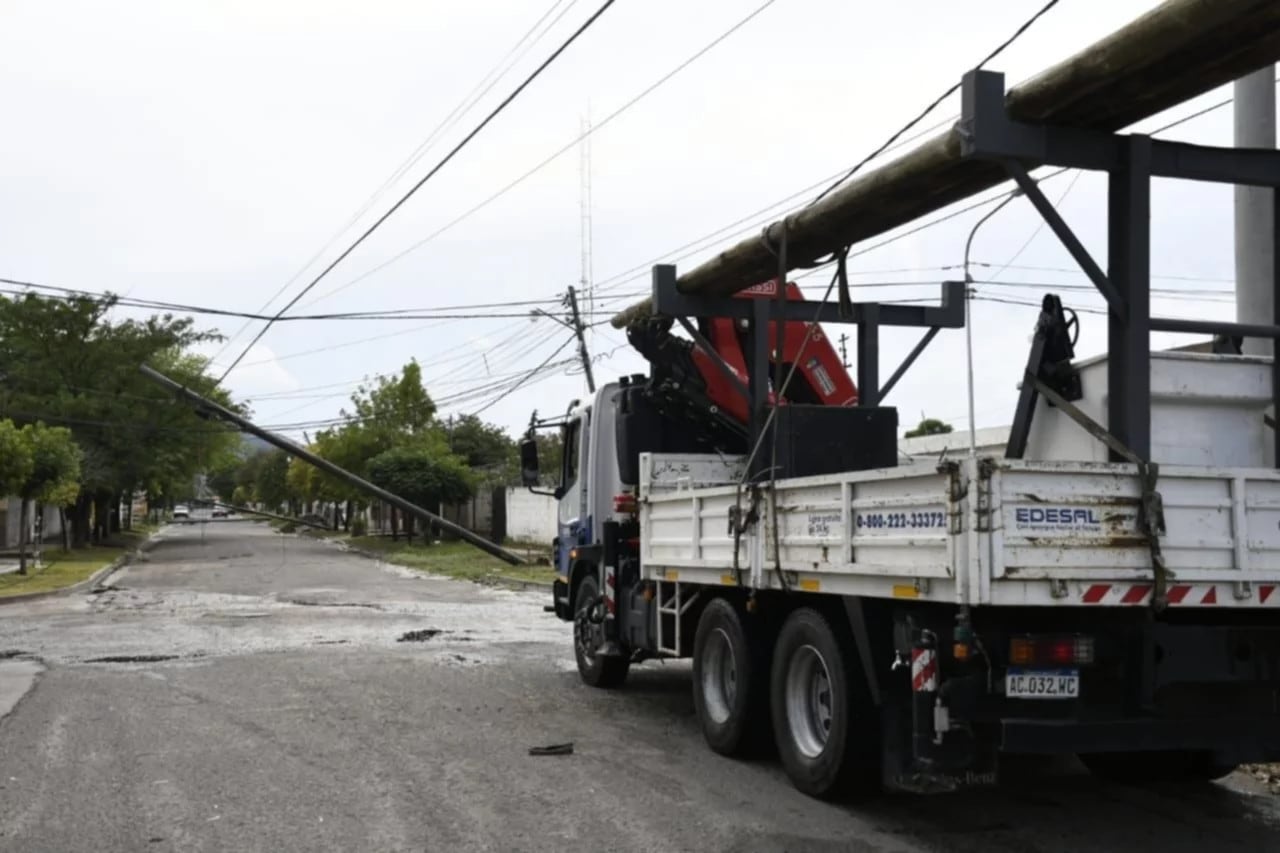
pixel 88 583
pixel 499 580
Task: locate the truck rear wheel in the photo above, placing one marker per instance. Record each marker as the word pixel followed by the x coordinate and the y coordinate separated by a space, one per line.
pixel 1137 768
pixel 730 681
pixel 588 636
pixel 823 722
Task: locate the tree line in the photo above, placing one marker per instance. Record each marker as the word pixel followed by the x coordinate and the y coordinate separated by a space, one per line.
pixel 393 436
pixel 82 429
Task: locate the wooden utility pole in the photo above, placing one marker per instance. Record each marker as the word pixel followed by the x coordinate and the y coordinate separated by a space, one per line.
pixel 582 341
pixel 844 350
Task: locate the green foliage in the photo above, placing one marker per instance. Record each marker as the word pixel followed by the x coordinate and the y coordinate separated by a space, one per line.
pixel 270 485
pixel 67 363
pixel 481 445
pixel 359 527
pixel 392 407
pixel 55 465
pixel 16 463
pixel 929 426
pixel 421 476
pixel 550 457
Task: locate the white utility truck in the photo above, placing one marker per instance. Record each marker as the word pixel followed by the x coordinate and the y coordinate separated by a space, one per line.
pixel 1107 584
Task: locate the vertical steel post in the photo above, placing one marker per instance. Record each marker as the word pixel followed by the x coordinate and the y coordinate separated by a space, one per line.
pixel 1275 319
pixel 758 371
pixel 1255 127
pixel 1129 269
pixel 869 356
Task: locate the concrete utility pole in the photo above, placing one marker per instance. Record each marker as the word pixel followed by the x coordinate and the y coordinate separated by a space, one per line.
pixel 582 341
pixel 1255 127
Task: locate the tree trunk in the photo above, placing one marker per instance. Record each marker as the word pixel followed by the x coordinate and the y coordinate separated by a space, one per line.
pixel 24 534
pixel 113 513
pixel 66 528
pixel 395 525
pixel 346 521
pixel 101 517
pixel 81 529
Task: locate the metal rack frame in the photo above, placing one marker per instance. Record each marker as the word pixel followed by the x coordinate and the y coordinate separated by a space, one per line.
pixel 1131 161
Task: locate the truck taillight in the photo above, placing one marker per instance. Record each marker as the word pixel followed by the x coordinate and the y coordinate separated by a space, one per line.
pixel 624 504
pixel 1060 651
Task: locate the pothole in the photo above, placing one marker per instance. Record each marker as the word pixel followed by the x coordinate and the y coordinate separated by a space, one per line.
pixel 304 602
pixel 131 659
pixel 419 636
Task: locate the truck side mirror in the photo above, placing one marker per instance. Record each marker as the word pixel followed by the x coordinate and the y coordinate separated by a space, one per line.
pixel 529 462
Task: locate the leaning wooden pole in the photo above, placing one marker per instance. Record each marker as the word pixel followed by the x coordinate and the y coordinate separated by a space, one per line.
pixel 1180 49
pixel 222 413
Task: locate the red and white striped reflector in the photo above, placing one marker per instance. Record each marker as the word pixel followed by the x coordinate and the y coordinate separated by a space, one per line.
pixel 610 592
pixel 924 670
pixel 1184 594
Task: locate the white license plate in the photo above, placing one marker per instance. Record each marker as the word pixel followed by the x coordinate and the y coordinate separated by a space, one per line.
pixel 1042 684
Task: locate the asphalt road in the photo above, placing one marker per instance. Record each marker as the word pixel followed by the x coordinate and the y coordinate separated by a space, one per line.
pixel 240 690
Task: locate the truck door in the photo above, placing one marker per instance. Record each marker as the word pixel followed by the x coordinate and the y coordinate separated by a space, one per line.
pixel 572 521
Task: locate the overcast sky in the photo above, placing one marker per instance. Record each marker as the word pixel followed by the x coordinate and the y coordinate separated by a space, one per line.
pixel 203 152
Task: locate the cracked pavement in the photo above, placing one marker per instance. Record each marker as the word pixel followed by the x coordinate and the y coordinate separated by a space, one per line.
pixel 238 689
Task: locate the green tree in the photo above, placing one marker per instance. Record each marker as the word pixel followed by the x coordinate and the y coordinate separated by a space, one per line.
pixel 483 446
pixel 54 476
pixel 270 485
pixel 66 362
pixel 422 476
pixel 16 463
pixel 929 426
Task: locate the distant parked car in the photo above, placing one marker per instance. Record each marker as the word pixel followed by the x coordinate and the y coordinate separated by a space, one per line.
pixel 181 512
pixel 219 512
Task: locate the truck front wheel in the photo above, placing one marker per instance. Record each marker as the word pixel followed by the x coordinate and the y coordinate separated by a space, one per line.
pixel 596 669
pixel 730 681
pixel 823 721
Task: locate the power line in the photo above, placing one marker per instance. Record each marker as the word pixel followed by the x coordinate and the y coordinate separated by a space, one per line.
pixel 937 102
pixel 595 127
pixel 522 381
pixel 461 109
pixel 466 312
pixel 423 180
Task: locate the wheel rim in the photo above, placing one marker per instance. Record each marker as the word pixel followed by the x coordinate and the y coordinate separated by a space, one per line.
pixel 809 701
pixel 719 676
pixel 587 635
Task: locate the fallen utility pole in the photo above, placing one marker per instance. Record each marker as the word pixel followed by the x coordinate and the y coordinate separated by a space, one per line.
pixel 213 409
pixel 1180 49
pixel 247 511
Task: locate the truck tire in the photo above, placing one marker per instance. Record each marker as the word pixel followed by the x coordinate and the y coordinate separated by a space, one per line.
pixel 1138 768
pixel 595 669
pixel 824 723
pixel 730 682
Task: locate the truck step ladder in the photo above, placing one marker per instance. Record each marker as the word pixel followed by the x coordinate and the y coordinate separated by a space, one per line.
pixel 672 605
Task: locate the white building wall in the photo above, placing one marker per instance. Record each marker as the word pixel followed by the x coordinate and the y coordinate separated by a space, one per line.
pixel 530 517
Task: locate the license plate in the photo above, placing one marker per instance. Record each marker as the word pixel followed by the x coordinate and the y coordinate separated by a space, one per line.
pixel 1042 684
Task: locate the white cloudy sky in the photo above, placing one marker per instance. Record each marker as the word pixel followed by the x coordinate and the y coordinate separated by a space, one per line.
pixel 202 152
